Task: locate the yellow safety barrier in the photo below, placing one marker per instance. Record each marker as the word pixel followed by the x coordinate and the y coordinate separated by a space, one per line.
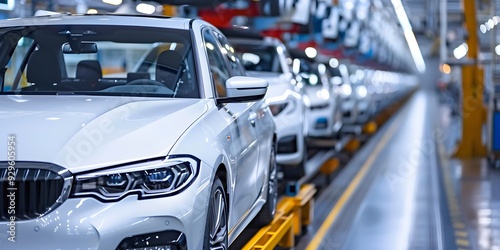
pixel 330 166
pixel 292 213
pixel 352 146
pixel 370 128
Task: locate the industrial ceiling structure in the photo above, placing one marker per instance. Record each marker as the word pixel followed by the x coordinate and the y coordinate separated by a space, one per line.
pixel 374 32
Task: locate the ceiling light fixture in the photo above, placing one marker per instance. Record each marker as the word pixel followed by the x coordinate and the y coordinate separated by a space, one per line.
pixel 461 51
pixel 145 8
pixel 112 2
pixel 409 35
pixel 311 52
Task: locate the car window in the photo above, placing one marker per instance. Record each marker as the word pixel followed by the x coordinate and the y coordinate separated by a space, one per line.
pixel 23 46
pixel 218 66
pixel 98 60
pixel 233 60
pixel 257 57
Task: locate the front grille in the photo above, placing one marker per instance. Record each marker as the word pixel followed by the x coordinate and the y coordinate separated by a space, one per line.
pixel 36 192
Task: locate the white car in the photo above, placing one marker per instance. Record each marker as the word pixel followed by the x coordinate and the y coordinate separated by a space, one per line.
pixel 324 104
pixel 179 156
pixel 361 90
pixel 266 58
pixel 349 97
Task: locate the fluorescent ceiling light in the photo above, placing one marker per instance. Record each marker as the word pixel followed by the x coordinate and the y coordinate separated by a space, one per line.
pixel 296 66
pixel 311 52
pixel 461 51
pixel 349 5
pixel 491 24
pixel 497 49
pixel 410 37
pixel 321 68
pixel 482 28
pixel 334 63
pixel 112 2
pixel 145 8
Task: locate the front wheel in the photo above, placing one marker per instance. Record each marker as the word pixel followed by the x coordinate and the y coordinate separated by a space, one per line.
pixel 216 226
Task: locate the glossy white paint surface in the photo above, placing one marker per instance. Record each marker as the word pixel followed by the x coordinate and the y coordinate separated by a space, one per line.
pixel 291 121
pixel 85 133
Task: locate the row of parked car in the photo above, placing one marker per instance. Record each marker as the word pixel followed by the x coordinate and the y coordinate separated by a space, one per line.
pixel 314 96
pixel 179 149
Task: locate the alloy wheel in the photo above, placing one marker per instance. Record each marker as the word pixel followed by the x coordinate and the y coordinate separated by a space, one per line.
pixel 218 221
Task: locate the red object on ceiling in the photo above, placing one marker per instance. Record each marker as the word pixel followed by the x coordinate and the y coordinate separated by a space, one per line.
pixel 221 16
pixel 282 29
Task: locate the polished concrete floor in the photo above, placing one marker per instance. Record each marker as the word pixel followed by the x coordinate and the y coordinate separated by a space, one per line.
pixel 474 190
pixel 412 195
pixel 397 204
pixel 402 190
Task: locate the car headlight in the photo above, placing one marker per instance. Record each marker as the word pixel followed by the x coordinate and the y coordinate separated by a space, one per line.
pixel 346 90
pixel 362 91
pixel 147 180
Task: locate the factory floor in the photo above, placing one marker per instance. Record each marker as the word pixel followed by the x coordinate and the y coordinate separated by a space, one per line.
pixel 403 190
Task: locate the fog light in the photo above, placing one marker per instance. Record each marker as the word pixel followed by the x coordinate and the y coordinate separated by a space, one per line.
pixel 167 240
pixel 168 247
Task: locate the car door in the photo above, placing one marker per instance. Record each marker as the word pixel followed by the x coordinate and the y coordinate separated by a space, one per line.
pixel 244 137
pixel 236 68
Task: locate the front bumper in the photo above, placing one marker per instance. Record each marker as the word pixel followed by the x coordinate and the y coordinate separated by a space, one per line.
pixel 171 240
pixel 289 130
pixel 86 223
pixel 321 122
pixel 365 110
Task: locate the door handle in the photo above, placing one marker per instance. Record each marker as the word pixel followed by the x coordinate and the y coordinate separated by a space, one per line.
pixel 252 117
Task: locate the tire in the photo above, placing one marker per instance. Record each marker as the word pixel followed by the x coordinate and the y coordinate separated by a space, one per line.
pixel 216 236
pixel 266 214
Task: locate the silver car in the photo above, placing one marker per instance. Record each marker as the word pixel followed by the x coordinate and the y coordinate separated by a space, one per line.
pixel 179 155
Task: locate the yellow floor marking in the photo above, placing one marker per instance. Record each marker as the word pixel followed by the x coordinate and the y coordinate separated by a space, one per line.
pixel 461 242
pixel 461 234
pixel 332 216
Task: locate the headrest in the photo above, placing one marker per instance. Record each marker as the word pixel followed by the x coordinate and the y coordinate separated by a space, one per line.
pixel 89 70
pixel 167 66
pixel 43 68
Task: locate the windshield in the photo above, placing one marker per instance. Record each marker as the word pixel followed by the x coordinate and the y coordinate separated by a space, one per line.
pixel 257 57
pixel 312 74
pixel 97 60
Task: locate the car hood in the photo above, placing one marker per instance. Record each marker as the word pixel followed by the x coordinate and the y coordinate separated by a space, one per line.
pixel 87 132
pixel 279 84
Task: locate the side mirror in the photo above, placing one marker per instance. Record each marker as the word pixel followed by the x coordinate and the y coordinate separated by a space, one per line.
pixel 244 89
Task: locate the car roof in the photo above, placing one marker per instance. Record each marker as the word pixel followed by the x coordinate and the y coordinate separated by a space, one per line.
pixel 241 33
pixel 100 19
